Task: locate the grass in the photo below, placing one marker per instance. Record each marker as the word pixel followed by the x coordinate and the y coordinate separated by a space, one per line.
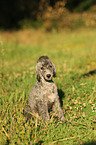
pixel 74 54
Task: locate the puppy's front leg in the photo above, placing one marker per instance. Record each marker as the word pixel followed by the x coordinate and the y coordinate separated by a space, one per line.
pixel 43 110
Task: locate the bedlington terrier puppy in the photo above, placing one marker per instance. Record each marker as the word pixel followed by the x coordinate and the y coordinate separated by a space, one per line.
pixel 43 97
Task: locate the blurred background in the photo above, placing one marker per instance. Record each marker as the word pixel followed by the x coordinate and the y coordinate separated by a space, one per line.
pixel 49 14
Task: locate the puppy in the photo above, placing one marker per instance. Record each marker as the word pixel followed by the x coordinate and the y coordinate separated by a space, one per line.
pixel 43 97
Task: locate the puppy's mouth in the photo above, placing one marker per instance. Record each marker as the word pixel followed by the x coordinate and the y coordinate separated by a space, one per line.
pixel 48 77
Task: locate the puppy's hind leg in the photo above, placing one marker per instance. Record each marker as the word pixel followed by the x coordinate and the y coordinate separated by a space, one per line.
pixel 27 112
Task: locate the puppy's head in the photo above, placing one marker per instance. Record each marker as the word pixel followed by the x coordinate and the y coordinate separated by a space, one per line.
pixel 45 68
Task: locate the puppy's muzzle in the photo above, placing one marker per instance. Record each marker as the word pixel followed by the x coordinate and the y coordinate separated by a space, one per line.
pixel 48 76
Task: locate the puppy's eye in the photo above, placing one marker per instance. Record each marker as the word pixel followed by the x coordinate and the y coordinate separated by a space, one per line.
pixel 50 66
pixel 41 68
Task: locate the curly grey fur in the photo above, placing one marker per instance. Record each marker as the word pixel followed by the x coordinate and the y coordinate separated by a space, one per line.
pixel 43 96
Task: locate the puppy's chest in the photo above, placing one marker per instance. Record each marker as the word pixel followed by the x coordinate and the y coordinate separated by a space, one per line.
pixel 50 95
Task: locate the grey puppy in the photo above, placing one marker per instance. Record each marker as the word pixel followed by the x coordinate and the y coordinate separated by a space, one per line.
pixel 43 97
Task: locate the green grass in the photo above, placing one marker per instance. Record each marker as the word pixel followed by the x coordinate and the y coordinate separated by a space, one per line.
pixel 74 54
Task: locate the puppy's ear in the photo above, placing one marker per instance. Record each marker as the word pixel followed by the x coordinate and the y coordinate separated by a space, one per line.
pixel 38 78
pixel 54 70
pixel 37 72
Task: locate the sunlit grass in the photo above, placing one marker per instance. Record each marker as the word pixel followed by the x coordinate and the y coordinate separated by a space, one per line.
pixel 74 54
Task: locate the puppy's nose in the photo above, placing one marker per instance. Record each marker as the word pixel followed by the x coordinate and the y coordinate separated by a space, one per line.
pixel 48 76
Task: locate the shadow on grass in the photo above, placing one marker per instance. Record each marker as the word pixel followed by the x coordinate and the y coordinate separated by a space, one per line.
pixel 7 142
pixel 90 143
pixel 61 96
pixel 88 74
pixel 40 142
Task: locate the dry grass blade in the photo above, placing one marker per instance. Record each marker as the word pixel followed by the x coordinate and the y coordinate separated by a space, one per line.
pixel 5 132
pixel 64 139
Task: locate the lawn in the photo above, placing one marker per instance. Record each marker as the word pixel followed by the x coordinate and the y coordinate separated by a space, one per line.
pixel 74 54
